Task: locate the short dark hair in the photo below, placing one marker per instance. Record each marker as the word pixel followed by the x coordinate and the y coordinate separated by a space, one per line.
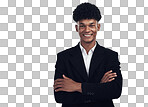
pixel 86 11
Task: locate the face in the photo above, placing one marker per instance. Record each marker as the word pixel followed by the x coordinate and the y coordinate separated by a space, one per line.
pixel 87 29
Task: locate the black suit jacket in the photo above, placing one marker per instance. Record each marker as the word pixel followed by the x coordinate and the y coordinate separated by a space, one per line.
pixel 94 94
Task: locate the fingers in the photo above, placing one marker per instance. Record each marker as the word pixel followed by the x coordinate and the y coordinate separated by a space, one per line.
pixel 112 76
pixel 65 77
pixel 104 77
pixel 109 74
pixel 111 79
pixel 108 77
pixel 59 89
pixel 106 74
pixel 58 86
pixel 58 83
pixel 58 80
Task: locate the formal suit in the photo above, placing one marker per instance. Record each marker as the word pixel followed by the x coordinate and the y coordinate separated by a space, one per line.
pixel 94 94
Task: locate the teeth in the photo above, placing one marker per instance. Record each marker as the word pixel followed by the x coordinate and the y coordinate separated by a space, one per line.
pixel 87 35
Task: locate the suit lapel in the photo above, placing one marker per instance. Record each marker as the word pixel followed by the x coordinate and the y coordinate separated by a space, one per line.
pixel 96 59
pixel 78 62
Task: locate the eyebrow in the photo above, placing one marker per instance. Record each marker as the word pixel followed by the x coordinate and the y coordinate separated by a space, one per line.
pixel 90 23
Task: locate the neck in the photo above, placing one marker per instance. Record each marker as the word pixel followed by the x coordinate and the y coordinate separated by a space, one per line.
pixel 88 46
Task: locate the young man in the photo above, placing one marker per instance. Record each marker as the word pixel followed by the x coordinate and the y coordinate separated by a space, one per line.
pixel 87 75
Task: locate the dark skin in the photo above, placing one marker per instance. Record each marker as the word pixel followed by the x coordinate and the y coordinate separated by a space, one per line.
pixel 108 77
pixel 84 27
pixel 68 85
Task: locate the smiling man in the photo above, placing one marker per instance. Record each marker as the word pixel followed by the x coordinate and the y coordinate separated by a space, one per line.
pixel 87 75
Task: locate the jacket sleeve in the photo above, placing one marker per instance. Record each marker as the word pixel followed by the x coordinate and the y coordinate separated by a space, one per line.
pixel 109 90
pixel 62 96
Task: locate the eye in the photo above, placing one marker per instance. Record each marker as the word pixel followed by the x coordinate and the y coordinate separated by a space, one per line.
pixel 82 26
pixel 92 25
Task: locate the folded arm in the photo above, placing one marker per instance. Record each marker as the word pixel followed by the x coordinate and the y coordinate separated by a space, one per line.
pixel 108 90
pixel 67 97
pixel 69 91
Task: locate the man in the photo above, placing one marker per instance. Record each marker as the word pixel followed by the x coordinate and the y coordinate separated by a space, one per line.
pixel 87 75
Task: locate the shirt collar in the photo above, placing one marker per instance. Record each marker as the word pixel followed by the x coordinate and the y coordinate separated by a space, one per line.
pixel 83 50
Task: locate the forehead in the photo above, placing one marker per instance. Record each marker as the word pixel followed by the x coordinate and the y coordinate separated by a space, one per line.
pixel 87 21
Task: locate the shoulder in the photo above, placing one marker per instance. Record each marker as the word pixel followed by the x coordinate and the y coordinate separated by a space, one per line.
pixel 67 52
pixel 110 55
pixel 109 52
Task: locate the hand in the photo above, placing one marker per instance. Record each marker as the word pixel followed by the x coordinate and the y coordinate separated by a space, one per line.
pixel 108 77
pixel 66 84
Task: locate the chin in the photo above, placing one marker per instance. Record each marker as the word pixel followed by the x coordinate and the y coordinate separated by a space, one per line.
pixel 89 41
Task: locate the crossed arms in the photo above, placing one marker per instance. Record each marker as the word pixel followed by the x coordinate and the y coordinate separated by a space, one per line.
pixel 68 85
pixel 69 91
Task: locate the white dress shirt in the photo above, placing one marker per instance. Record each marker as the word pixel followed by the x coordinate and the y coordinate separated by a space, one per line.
pixel 87 57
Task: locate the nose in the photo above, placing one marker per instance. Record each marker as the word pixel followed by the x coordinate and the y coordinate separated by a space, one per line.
pixel 87 29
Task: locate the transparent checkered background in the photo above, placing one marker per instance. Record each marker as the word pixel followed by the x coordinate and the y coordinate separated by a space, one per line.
pixel 32 32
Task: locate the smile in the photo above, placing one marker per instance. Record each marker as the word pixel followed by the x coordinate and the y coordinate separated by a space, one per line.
pixel 87 35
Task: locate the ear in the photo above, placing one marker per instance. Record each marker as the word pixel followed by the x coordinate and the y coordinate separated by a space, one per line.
pixel 98 27
pixel 76 26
